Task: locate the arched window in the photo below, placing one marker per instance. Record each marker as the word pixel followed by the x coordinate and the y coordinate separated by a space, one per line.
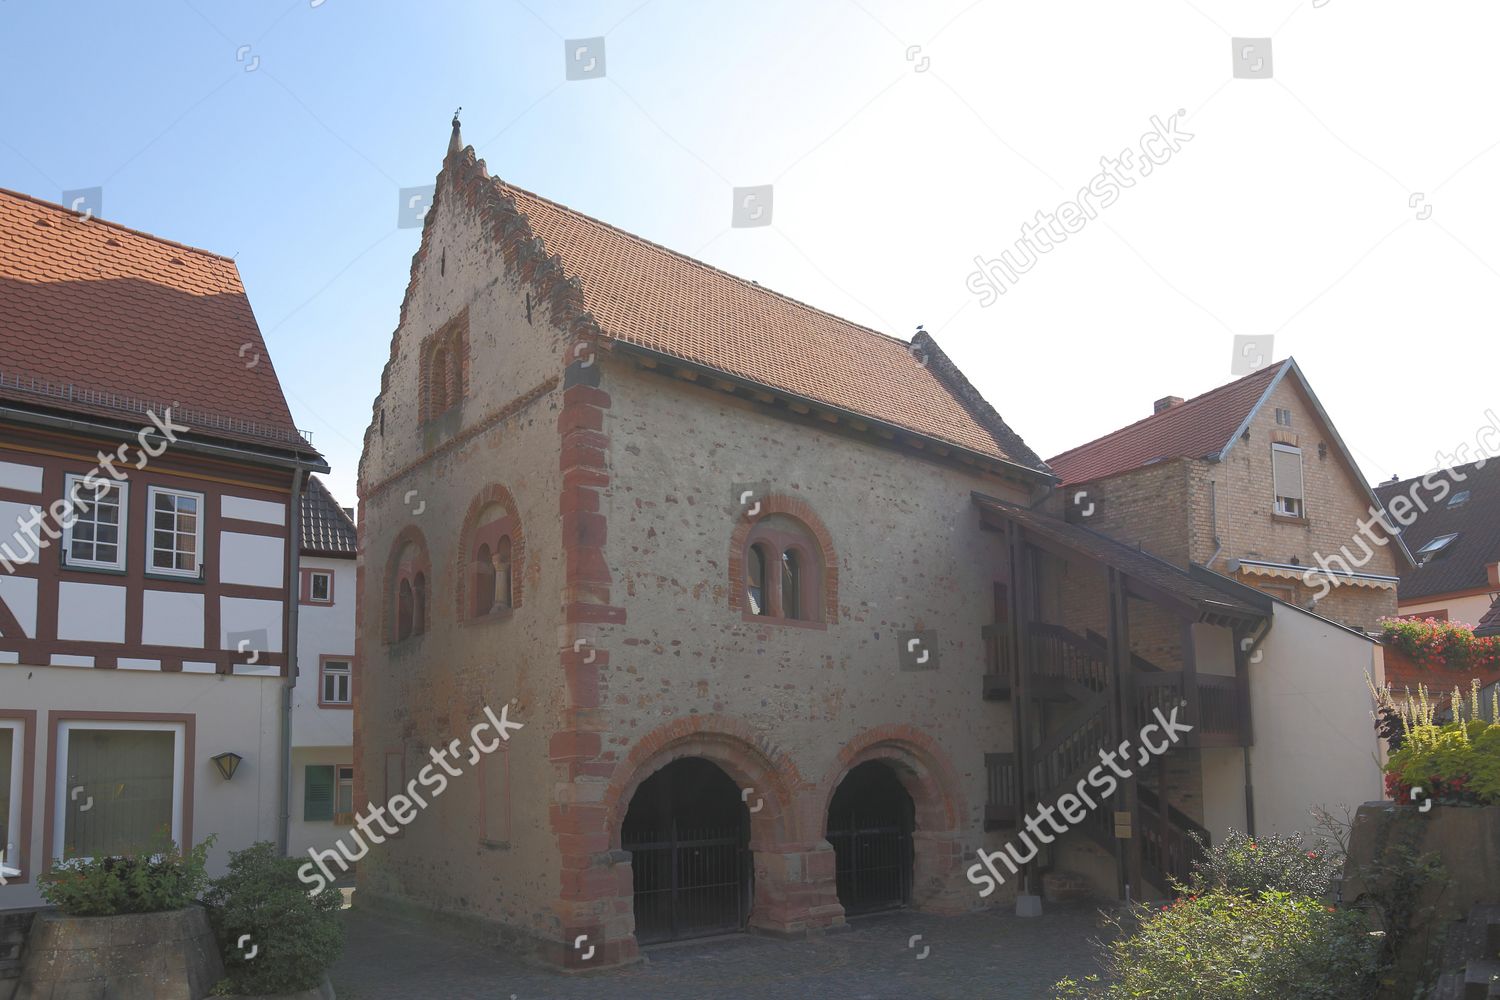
pixel 403 610
pixel 502 573
pixel 755 581
pixel 419 604
pixel 484 581
pixel 405 586
pixel 783 567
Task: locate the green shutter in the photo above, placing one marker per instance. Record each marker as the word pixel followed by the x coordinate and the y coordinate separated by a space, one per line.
pixel 317 792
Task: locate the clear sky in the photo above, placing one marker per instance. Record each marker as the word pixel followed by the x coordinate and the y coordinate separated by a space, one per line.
pixel 1344 204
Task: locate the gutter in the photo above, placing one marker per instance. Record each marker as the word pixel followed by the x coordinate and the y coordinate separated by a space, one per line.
pixel 290 461
pixel 289 686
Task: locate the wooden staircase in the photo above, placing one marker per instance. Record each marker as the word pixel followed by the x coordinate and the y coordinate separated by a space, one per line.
pixel 1072 694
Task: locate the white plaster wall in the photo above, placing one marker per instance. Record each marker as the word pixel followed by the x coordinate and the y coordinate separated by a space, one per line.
pixel 1460 609
pixel 252 560
pixel 22 544
pixel 324 630
pixel 246 509
pixel 94 612
pixel 19 594
pixel 231 713
pixel 26 478
pixel 1315 742
pixel 245 614
pixel 172 618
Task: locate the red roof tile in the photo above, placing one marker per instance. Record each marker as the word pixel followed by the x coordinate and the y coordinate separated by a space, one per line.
pixel 644 294
pixel 105 320
pixel 1201 426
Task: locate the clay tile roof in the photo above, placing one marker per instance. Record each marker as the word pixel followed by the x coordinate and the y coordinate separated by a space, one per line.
pixel 1464 563
pixel 1202 426
pixel 106 321
pixel 645 294
pixel 327 529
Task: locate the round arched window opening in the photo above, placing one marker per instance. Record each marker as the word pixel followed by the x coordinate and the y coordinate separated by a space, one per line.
pixel 783 571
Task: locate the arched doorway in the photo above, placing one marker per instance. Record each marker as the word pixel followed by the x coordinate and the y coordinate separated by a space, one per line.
pixel 870 822
pixel 688 834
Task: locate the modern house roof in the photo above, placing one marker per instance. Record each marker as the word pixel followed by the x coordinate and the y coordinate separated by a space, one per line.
pixel 103 321
pixel 643 294
pixel 327 528
pixel 1474 520
pixel 1210 601
pixel 1202 427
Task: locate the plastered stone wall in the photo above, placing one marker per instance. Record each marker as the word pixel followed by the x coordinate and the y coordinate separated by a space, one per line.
pixel 460 855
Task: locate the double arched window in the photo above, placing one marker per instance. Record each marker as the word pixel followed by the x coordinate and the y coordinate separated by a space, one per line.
pixel 443 357
pixel 491 555
pixel 783 571
pixel 492 584
pixel 407 578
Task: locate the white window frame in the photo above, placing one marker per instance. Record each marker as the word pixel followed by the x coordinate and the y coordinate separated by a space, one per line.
pixel 1276 487
pixel 343 818
pixel 347 673
pixel 312 594
pixel 60 788
pixel 11 860
pixel 151 568
pixel 1436 544
pixel 121 533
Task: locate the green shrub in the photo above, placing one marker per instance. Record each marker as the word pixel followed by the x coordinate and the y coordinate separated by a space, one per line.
pixel 1269 864
pixel 1230 946
pixel 294 935
pixel 1455 763
pixel 149 882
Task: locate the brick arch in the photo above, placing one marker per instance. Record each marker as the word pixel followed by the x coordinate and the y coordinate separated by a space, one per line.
pixel 800 510
pixel 734 747
pixel 922 767
pixel 498 495
pixel 411 534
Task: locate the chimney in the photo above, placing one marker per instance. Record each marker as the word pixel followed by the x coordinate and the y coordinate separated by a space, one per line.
pixel 1166 403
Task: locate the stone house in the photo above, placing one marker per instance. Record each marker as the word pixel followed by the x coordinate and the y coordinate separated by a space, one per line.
pixel 772 596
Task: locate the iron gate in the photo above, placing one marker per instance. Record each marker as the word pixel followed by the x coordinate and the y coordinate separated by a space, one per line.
pixel 869 826
pixel 687 833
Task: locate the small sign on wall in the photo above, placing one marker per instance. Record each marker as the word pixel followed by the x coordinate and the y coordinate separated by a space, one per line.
pixel 918 650
pixel 1122 826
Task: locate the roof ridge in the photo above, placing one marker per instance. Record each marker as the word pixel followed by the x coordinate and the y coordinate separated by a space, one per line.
pixel 23 196
pixel 1389 485
pixel 696 262
pixel 1180 407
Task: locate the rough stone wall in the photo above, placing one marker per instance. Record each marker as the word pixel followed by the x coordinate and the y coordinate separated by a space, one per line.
pixel 421 481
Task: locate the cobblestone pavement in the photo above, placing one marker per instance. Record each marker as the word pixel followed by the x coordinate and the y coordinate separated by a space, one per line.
pixel 980 957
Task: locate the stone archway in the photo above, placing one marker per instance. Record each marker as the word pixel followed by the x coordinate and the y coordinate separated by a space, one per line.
pixel 929 778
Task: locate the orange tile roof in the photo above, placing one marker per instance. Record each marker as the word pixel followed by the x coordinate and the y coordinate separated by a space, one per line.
pixel 645 294
pixel 99 319
pixel 1202 426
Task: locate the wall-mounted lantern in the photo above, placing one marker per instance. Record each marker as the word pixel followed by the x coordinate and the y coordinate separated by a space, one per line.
pixel 227 762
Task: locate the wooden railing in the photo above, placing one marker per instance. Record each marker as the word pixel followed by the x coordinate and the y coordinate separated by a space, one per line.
pixel 1058 653
pixel 1167 849
pixel 1003 804
pixel 1207 702
pixel 1064 758
pixel 999 668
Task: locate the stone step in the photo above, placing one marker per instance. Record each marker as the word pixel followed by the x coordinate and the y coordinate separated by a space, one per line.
pixel 1482 980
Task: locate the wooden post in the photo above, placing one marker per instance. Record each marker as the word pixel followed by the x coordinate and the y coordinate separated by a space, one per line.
pixel 1192 710
pixel 1023 601
pixel 1124 676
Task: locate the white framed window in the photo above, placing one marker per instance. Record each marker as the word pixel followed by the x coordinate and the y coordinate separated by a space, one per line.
pixel 94 535
pixel 119 787
pixel 335 681
pixel 1286 477
pixel 12 765
pixel 175 535
pixel 320 587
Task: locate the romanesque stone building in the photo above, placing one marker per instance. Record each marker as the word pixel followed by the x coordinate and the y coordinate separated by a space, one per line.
pixel 765 588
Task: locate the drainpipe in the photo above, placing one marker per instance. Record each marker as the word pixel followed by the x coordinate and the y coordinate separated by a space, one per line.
pixel 1213 514
pixel 294 595
pixel 1244 656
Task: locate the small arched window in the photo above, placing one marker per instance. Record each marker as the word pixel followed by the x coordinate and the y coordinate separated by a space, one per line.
pixel 502 574
pixel 755 581
pixel 484 581
pixel 437 392
pixel 403 610
pixel 783 571
pixel 419 604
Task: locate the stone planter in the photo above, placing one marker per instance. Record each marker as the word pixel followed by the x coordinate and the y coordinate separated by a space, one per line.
pixel 134 956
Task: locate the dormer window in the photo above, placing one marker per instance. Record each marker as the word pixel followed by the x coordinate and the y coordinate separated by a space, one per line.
pixel 1459 499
